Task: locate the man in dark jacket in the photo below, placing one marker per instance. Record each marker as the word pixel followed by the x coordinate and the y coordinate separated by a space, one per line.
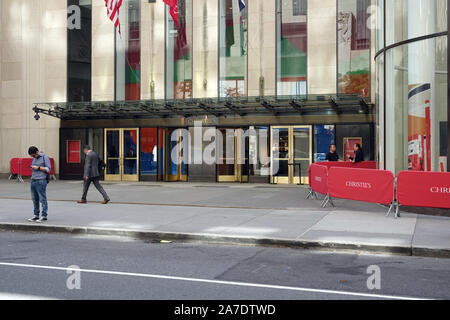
pixel 332 156
pixel 92 174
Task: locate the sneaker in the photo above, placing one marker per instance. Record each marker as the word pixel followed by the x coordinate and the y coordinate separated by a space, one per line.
pixel 34 219
pixel 43 219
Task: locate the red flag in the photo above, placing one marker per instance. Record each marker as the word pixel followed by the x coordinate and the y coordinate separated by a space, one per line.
pixel 112 9
pixel 173 4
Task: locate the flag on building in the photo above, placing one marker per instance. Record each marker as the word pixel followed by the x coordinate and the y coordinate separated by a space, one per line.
pixel 112 10
pixel 241 5
pixel 173 5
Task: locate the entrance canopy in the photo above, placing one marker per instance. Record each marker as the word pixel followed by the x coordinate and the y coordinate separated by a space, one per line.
pixel 219 107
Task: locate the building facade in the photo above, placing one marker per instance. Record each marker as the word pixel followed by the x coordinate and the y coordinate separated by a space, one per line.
pixel 221 93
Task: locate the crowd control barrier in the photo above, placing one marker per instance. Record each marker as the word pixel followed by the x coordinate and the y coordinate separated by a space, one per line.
pixel 348 164
pixel 424 189
pixel 376 186
pixel 318 180
pixel 20 168
pixel 410 188
pixel 14 168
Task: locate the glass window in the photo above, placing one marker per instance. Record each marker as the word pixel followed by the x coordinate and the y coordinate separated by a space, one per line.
pixel 354 47
pixel 149 151
pixel 404 23
pixel 259 151
pixel 79 54
pixel 128 52
pixel 416 106
pixel 179 52
pixel 291 47
pixel 233 49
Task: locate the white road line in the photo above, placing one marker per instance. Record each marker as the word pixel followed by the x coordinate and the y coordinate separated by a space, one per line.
pixel 228 283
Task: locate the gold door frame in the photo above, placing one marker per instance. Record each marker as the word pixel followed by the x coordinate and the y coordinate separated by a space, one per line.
pixel 238 175
pixel 168 155
pixel 291 178
pixel 121 176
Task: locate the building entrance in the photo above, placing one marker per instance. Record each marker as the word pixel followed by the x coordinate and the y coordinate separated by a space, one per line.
pixel 122 154
pixel 291 154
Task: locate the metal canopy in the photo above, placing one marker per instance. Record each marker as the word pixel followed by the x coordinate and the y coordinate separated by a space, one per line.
pixel 219 107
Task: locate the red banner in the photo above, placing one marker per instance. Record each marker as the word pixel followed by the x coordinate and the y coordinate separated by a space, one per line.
pixel 319 178
pixel 15 166
pixel 348 164
pixel 25 164
pixel 424 189
pixel 73 151
pixel 376 186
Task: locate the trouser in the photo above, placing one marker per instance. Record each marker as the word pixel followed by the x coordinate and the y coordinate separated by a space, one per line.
pixel 96 181
pixel 39 196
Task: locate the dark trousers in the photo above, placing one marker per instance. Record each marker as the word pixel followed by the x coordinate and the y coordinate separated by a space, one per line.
pixel 96 181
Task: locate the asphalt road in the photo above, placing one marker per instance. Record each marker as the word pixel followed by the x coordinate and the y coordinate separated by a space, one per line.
pixel 35 266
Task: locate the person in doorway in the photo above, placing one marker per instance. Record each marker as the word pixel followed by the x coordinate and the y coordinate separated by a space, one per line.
pixel 359 155
pixel 332 156
pixel 92 175
pixel 41 166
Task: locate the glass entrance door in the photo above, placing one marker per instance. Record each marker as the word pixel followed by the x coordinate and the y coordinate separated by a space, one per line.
pixel 291 154
pixel 233 162
pixel 122 154
pixel 176 146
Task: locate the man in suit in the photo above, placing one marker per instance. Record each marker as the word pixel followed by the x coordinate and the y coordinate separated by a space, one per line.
pixel 92 174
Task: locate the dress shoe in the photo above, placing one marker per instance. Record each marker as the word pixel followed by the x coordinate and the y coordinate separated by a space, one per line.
pixel 106 201
pixel 82 202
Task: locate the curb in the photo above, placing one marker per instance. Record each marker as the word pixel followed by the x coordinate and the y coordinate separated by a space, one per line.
pixel 228 240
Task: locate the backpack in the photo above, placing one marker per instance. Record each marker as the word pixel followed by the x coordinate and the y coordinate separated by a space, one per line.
pixel 101 165
pixel 48 178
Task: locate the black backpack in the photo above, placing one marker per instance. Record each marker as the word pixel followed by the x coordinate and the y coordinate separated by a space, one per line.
pixel 101 165
pixel 48 177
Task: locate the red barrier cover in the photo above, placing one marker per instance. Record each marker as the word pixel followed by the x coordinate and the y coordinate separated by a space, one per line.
pixel 15 166
pixel 25 170
pixel 319 178
pixel 424 189
pixel 52 163
pixel 376 186
pixel 348 164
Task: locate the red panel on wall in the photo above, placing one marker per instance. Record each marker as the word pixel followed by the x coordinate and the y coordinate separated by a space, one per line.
pixel 73 151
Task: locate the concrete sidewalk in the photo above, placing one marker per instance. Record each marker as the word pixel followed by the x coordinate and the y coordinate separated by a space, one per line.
pixel 241 213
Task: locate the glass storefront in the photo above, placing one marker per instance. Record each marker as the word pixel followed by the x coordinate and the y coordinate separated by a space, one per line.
pixel 233 49
pixel 128 52
pixel 292 47
pixel 179 52
pixel 79 40
pixel 354 42
pixel 412 88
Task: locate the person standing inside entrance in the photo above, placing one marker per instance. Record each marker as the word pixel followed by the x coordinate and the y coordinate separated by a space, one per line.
pixel 359 155
pixel 332 156
pixel 41 166
pixel 92 175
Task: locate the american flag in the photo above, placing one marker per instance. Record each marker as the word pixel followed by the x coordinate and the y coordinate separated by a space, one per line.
pixel 112 10
pixel 242 5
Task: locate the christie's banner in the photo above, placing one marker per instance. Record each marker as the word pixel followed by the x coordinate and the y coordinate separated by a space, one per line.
pixel 319 178
pixel 424 189
pixel 367 185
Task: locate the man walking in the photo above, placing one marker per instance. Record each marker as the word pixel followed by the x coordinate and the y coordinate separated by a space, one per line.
pixel 41 166
pixel 92 174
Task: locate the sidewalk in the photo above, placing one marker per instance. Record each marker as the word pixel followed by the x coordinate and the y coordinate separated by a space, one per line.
pixel 226 213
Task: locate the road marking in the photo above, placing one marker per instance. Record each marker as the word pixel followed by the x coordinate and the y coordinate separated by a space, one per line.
pixel 228 283
pixel 14 296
